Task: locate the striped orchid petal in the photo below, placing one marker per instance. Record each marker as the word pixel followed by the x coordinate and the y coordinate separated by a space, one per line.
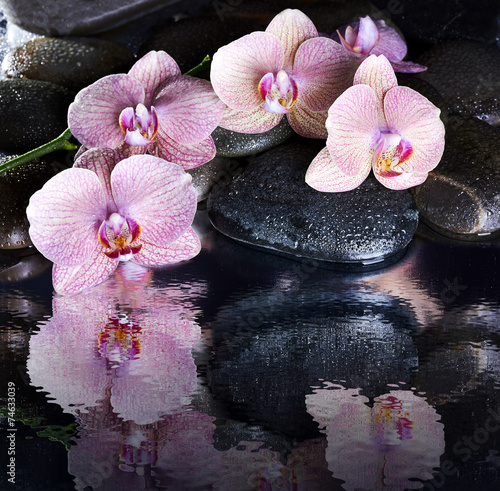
pixel 353 129
pixel 157 194
pixel 292 28
pixel 403 181
pixel 188 109
pixel 186 156
pixel 184 248
pixel 324 175
pixel 94 114
pixel 307 123
pixel 65 216
pixel 238 68
pixel 152 70
pixel 255 121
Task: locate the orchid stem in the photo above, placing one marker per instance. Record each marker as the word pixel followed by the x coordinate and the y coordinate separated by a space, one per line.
pixel 60 143
pixel 199 68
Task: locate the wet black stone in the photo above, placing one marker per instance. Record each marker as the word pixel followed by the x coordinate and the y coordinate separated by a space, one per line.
pixel 206 176
pixel 439 20
pixel 232 144
pixel 461 196
pixel 16 187
pixel 270 206
pixel 467 75
pixel 32 113
pixel 72 62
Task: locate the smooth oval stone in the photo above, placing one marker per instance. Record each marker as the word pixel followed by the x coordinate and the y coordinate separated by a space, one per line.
pixel 74 17
pixel 16 187
pixel 461 196
pixel 270 206
pixel 232 144
pixel 73 63
pixel 32 112
pixel 206 176
pixel 467 75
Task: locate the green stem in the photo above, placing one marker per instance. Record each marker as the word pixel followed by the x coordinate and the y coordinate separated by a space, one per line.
pixel 199 68
pixel 59 143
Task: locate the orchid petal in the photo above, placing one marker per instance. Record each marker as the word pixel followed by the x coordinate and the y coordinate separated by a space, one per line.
pixel 157 194
pixel 407 67
pixel 307 123
pixel 152 70
pixel 390 44
pixel 101 161
pixel 353 129
pixel 187 156
pixel 256 120
pixel 377 72
pixel 322 70
pixel 97 268
pixel 65 216
pixel 181 102
pixel 416 119
pixel 94 114
pixel 403 181
pixel 368 36
pixel 323 175
pixel 292 28
pixel 238 67
pixel 184 248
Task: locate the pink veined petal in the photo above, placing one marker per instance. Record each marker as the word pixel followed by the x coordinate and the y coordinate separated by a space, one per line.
pixel 188 109
pixel 152 70
pixel 102 161
pixel 93 117
pixel 368 36
pixel 255 121
pixel 353 129
pixel 416 119
pixel 238 67
pixel 65 216
pixel 292 28
pixel 377 72
pixel 322 70
pixel 157 194
pixel 390 44
pixel 187 156
pixel 407 67
pixel 184 248
pixel 323 175
pixel 404 181
pixel 97 268
pixel 307 123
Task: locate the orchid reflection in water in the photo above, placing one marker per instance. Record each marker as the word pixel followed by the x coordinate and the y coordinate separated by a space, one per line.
pixel 105 210
pixel 378 124
pixel 367 37
pixel 152 108
pixel 387 446
pixel 288 69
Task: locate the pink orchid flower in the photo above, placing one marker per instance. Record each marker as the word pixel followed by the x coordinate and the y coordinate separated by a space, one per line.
pixel 88 218
pixel 378 124
pixel 366 37
pixel 288 69
pixel 153 108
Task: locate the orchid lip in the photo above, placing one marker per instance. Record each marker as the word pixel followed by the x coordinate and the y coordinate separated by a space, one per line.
pixel 391 152
pixel 119 236
pixel 139 125
pixel 280 92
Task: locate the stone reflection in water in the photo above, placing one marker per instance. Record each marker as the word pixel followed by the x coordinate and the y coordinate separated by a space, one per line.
pixel 387 446
pixel 272 346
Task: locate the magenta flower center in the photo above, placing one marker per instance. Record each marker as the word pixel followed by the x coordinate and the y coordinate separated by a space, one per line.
pixel 140 125
pixel 279 92
pixel 119 235
pixel 391 151
pixel 119 342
